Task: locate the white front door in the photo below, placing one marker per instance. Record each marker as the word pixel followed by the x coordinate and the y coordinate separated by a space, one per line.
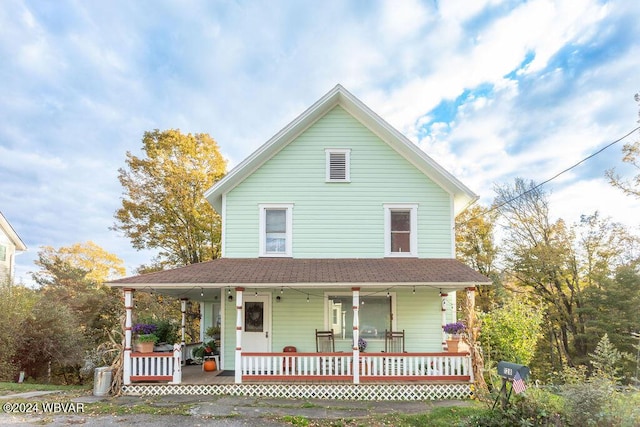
pixel 256 314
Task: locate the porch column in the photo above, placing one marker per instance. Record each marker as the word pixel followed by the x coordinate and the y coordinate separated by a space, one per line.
pixel 443 304
pixel 128 323
pixel 177 364
pixel 239 320
pixel 356 335
pixel 183 325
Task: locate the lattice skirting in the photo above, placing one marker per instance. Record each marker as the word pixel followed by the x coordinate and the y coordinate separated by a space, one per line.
pixel 311 391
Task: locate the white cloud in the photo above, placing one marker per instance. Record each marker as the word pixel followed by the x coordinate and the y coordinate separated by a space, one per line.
pixel 83 81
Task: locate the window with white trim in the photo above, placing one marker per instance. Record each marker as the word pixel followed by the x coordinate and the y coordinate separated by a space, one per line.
pixel 338 165
pixel 275 229
pixel 401 229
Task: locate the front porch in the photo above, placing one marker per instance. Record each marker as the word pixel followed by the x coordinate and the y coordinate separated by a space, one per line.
pixel 267 336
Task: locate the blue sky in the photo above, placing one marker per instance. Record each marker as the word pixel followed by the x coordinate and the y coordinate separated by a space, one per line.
pixel 490 89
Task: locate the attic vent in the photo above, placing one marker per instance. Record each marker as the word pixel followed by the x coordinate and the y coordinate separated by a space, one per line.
pixel 338 165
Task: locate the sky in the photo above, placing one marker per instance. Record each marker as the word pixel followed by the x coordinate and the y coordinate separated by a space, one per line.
pixel 491 90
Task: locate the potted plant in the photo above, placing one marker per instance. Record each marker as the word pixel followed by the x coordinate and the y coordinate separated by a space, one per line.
pixel 145 337
pixel 362 344
pixel 454 331
pixel 213 332
pixel 201 353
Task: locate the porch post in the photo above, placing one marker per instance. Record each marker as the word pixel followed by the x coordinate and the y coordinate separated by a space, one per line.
pixel 177 364
pixel 183 325
pixel 356 335
pixel 128 323
pixel 239 320
pixel 443 304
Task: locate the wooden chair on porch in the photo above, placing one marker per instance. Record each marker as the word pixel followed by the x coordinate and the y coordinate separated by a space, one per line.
pixel 394 341
pixel 325 342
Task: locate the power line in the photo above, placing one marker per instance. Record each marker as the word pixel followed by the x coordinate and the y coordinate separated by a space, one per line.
pixel 555 176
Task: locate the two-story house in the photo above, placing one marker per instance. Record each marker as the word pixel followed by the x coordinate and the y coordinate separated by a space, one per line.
pixel 10 244
pixel 339 224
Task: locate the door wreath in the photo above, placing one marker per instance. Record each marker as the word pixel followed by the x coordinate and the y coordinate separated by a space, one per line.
pixel 253 316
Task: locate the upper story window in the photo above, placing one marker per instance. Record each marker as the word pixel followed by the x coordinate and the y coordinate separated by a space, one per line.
pixel 275 229
pixel 3 253
pixel 338 164
pixel 401 230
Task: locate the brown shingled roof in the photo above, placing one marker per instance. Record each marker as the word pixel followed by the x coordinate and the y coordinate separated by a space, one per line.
pixel 227 271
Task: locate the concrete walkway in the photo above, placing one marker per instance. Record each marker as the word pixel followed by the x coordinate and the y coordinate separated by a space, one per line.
pixel 225 410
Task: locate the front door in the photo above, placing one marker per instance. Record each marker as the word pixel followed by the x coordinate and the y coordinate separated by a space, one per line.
pixel 256 315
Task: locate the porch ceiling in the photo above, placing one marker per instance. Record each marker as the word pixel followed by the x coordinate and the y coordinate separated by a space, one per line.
pixel 446 274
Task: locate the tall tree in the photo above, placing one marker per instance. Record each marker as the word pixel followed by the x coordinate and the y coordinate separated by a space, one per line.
pixel 16 304
pixel 475 247
pixel 163 207
pixel 539 256
pixel 632 156
pixel 569 269
pixel 73 276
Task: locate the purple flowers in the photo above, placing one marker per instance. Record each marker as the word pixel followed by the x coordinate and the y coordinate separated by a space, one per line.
pixel 144 328
pixel 454 328
pixel 362 344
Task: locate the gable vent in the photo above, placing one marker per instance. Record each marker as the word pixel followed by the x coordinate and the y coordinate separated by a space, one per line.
pixel 338 166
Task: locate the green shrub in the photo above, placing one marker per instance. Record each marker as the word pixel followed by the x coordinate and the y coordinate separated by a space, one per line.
pixel 536 407
pixel 590 403
pixel 167 331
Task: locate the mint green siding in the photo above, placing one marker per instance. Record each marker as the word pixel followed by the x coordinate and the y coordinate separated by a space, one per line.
pixel 294 321
pixel 338 220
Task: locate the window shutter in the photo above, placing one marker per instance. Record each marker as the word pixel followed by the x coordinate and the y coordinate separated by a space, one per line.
pixel 337 166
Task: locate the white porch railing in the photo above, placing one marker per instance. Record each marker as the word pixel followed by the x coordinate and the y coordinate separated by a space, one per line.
pixel 374 366
pixel 155 366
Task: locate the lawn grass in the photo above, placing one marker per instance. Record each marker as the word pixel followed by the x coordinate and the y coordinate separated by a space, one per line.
pixel 436 417
pixel 12 388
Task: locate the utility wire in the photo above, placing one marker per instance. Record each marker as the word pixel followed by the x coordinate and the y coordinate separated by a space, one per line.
pixel 553 177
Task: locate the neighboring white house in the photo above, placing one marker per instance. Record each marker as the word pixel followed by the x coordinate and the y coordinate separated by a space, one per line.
pixel 10 244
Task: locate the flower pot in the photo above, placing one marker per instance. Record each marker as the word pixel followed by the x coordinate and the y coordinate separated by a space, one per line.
pixel 452 345
pixel 144 347
pixel 209 365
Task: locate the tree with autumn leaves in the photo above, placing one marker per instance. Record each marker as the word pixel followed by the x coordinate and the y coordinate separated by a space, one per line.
pixel 163 206
pixel 571 284
pixel 48 331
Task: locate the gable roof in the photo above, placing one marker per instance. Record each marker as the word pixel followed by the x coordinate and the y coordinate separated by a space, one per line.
pixel 302 272
pixel 462 196
pixel 11 234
